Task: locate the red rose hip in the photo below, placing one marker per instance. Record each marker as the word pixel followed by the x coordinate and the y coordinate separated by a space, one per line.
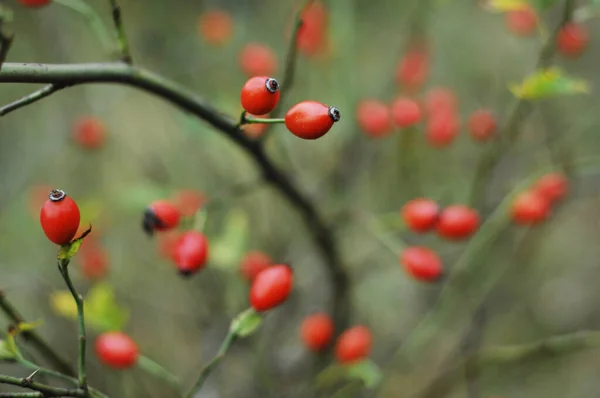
pixel 572 40
pixel 481 125
pixel 421 263
pixel 60 217
pixel 260 95
pixel 117 350
pixel 530 208
pixel 354 344
pixel 316 331
pixel 190 252
pixel 89 132
pixel 311 119
pixel 553 186
pixel 161 215
pixel 374 118
pixel 420 215
pixel 458 222
pixel 271 287
pixel 406 112
pixel 521 22
pixel 257 59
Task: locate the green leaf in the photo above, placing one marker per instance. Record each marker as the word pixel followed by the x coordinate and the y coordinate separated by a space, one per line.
pixel 28 326
pixel 549 83
pixel 507 5
pixel 229 247
pixel 246 323
pixel 5 352
pixel 68 251
pixel 366 371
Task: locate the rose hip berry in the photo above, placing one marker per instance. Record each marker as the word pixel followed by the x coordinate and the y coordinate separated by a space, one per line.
pixel 530 208
pixel 413 68
pixel 253 263
pixel 421 263
pixel 313 31
pixel 190 252
pixel 442 128
pixel 94 261
pixel 89 132
pixel 552 186
pixel 354 344
pixel 34 3
pixel 440 99
pixel 117 350
pixel 316 331
pixel 271 287
pixel 216 27
pixel 572 40
pixel 481 125
pixel 458 222
pixel 311 119
pixel 260 95
pixel 374 118
pixel 257 59
pixel 420 215
pixel 405 112
pixel 521 22
pixel 60 217
pixel 161 215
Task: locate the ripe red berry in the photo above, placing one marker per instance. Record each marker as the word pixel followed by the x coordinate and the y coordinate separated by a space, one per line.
pixel 521 22
pixel 117 350
pixel 94 260
pixel 572 40
pixel 253 263
pixel 442 128
pixel 420 215
pixel 190 252
pixel 89 132
pixel 405 112
pixel 458 222
pixel 313 31
pixel 440 100
pixel 216 27
pixel 59 217
pixel 311 119
pixel 255 130
pixel 413 68
pixel 257 59
pixel 34 3
pixel 374 118
pixel 189 201
pixel 260 95
pixel 316 331
pixel 530 208
pixel 552 186
pixel 161 215
pixel 354 344
pixel 271 287
pixel 481 124
pixel 421 263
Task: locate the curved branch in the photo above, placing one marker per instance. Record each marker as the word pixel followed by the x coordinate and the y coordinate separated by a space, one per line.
pixel 120 73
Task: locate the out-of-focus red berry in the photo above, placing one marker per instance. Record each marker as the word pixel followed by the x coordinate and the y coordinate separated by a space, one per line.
pixel 421 263
pixel 458 222
pixel 94 260
pixel 572 39
pixel 521 22
pixel 440 99
pixel 354 344
pixel 189 201
pixel 253 263
pixel 191 252
pixel 442 128
pixel 481 125
pixel 316 331
pixel 413 68
pixel 161 215
pixel 216 27
pixel 405 112
pixel 552 186
pixel 374 118
pixel 117 350
pixel 420 215
pixel 257 59
pixel 89 132
pixel 530 208
pixel 313 31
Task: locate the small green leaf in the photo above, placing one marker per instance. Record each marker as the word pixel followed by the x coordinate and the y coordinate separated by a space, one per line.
pixel 5 352
pixel 228 248
pixel 548 83
pixel 28 326
pixel 507 5
pixel 246 323
pixel 103 310
pixel 366 371
pixel 68 251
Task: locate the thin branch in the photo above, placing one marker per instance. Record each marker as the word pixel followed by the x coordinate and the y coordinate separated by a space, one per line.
pixel 22 394
pixel 213 363
pixel 48 391
pixel 63 266
pixel 507 355
pixel 76 74
pixel 121 34
pixel 155 369
pixel 31 98
pixel 34 338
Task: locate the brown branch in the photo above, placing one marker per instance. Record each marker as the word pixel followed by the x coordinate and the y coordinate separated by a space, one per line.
pixel 34 338
pixel 121 73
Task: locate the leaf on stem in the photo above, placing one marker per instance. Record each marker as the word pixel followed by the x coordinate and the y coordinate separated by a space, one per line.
pixel 68 251
pixel 365 371
pixel 548 83
pixel 5 352
pixel 246 323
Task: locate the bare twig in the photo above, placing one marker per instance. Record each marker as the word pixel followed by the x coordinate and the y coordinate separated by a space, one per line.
pixel 121 34
pixel 31 98
pixel 46 390
pixel 77 74
pixel 30 335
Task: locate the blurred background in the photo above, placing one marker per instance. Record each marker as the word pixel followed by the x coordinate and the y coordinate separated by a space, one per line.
pixel 115 150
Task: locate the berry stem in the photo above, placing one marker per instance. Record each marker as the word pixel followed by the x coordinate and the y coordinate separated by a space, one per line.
pixel 251 120
pixel 151 367
pixel 63 266
pixel 213 363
